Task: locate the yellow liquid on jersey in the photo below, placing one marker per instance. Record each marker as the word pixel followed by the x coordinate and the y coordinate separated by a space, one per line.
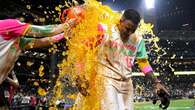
pixel 82 60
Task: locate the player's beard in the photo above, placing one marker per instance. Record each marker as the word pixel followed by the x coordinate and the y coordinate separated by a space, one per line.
pixel 124 35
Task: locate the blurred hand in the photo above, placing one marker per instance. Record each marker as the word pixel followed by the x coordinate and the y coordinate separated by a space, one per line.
pixel 163 95
pixel 71 22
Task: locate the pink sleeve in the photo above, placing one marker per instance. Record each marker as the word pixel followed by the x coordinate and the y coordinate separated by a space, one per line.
pixel 58 37
pixel 10 28
pixel 146 69
pixel 144 65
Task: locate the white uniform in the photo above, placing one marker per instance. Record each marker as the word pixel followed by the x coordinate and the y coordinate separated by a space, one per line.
pixel 116 61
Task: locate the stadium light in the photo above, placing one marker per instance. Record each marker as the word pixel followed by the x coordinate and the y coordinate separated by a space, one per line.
pixel 149 4
pixel 184 73
pixel 142 74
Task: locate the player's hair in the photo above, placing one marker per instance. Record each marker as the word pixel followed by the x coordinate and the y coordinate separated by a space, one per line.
pixel 133 15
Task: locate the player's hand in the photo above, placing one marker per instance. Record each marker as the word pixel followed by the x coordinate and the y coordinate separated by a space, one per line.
pixel 76 12
pixel 163 95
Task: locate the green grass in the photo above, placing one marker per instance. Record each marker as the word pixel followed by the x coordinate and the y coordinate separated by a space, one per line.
pixel 182 104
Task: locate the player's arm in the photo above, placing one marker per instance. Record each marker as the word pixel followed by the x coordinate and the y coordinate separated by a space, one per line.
pixel 144 65
pixel 49 30
pixel 28 43
pixel 142 61
pixel 146 68
pixel 12 28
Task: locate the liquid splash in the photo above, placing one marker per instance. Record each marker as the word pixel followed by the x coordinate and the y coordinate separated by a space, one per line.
pixel 80 65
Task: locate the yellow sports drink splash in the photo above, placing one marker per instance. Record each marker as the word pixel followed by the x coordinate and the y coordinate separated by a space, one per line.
pixel 80 65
